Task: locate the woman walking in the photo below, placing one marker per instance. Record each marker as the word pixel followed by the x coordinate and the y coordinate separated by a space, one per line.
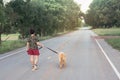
pixel 32 49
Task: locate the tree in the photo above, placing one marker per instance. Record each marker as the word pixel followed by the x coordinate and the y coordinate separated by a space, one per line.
pixel 103 13
pixel 2 18
pixel 46 16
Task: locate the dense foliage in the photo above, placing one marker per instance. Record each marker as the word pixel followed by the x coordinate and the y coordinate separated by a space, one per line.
pixel 104 13
pixel 45 16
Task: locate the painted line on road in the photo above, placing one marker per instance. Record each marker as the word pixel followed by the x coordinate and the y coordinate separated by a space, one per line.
pixel 110 62
pixel 1 58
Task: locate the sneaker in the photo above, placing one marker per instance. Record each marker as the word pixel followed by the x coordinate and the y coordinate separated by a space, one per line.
pixel 35 67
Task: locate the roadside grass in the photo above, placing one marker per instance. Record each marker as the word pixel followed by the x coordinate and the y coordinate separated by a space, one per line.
pixel 11 45
pixel 11 41
pixel 107 32
pixel 114 42
pixel 10 37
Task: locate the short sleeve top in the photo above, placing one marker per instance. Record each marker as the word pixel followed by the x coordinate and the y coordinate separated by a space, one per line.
pixel 32 40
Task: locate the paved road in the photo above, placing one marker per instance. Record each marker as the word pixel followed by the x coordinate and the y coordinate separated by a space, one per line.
pixel 85 60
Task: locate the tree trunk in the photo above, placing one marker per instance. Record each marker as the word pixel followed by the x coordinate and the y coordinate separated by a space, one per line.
pixel 1 30
pixel 0 39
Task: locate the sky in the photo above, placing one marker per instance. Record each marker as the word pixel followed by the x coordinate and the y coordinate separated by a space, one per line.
pixel 84 4
pixel 6 1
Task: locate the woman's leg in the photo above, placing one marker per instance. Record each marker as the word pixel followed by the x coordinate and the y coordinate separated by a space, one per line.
pixel 36 59
pixel 32 59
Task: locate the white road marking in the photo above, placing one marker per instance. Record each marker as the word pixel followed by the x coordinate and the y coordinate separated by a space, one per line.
pixel 110 62
pixel 1 58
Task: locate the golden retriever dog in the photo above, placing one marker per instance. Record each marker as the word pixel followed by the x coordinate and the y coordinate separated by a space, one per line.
pixel 62 59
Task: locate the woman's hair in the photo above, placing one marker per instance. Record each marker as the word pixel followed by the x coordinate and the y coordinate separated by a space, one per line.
pixel 32 31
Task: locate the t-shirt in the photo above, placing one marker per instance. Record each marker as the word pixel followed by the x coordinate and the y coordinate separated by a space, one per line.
pixel 32 42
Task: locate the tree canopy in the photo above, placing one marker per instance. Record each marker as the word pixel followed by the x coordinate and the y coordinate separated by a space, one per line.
pixel 103 13
pixel 46 16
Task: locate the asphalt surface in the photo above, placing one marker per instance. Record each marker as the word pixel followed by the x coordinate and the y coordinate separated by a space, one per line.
pixel 85 60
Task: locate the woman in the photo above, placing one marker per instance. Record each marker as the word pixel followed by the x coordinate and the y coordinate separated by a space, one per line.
pixel 32 49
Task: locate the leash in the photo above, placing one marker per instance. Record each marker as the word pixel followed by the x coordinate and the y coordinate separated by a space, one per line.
pixel 52 50
pixel 40 47
pixel 49 49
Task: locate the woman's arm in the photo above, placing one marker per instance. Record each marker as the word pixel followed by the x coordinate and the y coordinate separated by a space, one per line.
pixel 39 44
pixel 27 46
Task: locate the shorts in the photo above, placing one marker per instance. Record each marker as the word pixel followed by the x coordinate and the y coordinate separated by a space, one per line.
pixel 33 52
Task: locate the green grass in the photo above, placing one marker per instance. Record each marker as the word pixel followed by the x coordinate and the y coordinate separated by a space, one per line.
pixel 12 41
pixel 114 42
pixel 108 32
pixel 10 36
pixel 11 45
